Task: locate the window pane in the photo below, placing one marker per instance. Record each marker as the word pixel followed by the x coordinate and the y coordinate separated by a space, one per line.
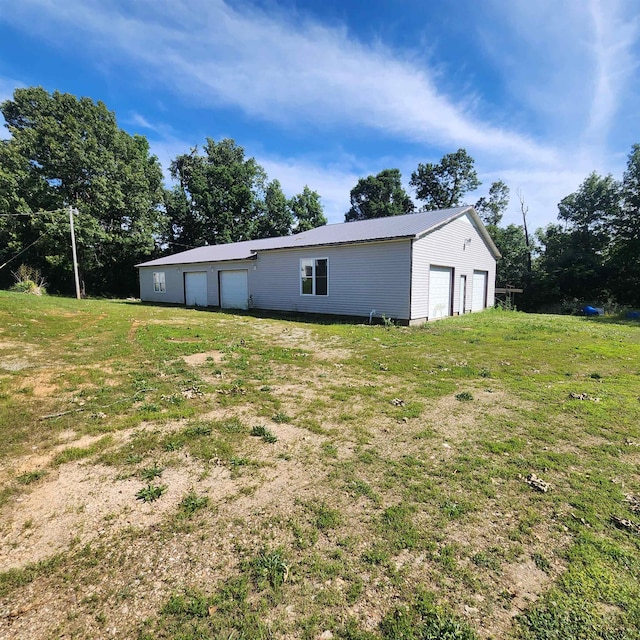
pixel 321 268
pixel 306 272
pixel 321 286
pixel 158 282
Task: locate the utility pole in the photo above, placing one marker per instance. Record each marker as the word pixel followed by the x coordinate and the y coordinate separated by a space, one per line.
pixel 73 251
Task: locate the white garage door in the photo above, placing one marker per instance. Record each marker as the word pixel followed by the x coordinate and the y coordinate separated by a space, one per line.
pixel 195 288
pixel 234 291
pixel 439 292
pixel 479 296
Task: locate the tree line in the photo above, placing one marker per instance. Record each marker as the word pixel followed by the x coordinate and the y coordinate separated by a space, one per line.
pixel 66 151
pixel 591 255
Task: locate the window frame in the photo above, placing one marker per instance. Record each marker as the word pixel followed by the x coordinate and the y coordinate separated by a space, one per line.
pixel 159 282
pixel 313 277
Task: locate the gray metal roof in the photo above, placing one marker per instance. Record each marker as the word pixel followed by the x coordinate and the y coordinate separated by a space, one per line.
pixel 412 225
pixel 216 252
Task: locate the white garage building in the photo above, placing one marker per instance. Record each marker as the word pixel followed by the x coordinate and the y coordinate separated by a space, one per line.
pixel 412 268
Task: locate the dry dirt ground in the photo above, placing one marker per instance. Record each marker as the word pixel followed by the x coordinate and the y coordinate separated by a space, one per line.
pixel 122 558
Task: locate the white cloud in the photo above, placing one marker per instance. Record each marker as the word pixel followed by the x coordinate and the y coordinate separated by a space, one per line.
pixel 333 182
pixel 138 120
pixel 615 34
pixel 293 74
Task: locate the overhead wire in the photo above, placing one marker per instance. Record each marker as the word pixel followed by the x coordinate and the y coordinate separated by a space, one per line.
pixel 42 235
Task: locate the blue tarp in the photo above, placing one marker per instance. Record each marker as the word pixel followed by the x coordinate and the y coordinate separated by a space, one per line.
pixel 591 311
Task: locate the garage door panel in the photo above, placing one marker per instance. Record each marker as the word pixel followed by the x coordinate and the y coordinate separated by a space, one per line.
pixel 234 289
pixel 195 289
pixel 439 292
pixel 479 295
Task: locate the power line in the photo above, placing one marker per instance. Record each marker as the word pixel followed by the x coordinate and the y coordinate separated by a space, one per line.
pixel 31 213
pixel 42 235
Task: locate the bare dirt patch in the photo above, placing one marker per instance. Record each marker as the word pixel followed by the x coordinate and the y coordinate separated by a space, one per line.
pixel 198 359
pixel 302 338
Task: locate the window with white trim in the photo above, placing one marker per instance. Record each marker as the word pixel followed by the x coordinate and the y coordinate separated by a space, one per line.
pixel 314 276
pixel 159 282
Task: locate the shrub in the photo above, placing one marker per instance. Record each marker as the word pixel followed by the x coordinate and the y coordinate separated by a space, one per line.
pixel 28 280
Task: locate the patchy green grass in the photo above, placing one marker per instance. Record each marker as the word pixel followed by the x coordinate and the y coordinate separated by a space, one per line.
pixel 396 501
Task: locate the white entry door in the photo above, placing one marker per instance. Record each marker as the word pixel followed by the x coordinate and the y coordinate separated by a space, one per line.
pixel 439 292
pixel 195 288
pixel 479 296
pixel 234 290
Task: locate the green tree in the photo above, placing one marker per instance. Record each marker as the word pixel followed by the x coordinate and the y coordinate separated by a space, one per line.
pixel 624 260
pixel 64 151
pixel 379 196
pixel 277 218
pixel 592 208
pixel 222 195
pixel 573 260
pixel 512 267
pixel 443 185
pixel 307 210
pixel 491 208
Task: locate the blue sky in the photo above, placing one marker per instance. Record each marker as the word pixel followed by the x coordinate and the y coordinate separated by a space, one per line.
pixel 324 92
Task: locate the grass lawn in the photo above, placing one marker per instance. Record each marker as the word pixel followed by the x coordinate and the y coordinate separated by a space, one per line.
pixel 173 473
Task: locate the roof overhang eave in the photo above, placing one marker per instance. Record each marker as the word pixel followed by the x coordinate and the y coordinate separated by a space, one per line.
pixel 338 244
pixel 253 256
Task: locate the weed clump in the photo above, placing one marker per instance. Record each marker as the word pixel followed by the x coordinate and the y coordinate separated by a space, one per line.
pixel 263 432
pixel 151 492
pixel 192 502
pixel 269 569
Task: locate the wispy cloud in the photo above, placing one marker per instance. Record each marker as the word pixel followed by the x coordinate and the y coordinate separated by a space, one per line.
pixel 615 35
pixel 138 120
pixel 296 75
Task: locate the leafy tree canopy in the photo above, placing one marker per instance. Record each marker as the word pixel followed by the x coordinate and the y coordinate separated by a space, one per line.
pixel 277 218
pixel 307 210
pixel 219 195
pixel 64 151
pixel 379 196
pixel 512 267
pixel 624 252
pixel 444 184
pixel 593 206
pixel 491 208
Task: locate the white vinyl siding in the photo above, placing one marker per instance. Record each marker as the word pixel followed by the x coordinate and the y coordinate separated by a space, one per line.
pixel 450 246
pixel 479 295
pixel 439 292
pixel 195 289
pixel 234 289
pixel 159 282
pixel 365 277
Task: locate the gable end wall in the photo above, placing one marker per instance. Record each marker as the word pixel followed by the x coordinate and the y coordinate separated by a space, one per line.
pixel 446 247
